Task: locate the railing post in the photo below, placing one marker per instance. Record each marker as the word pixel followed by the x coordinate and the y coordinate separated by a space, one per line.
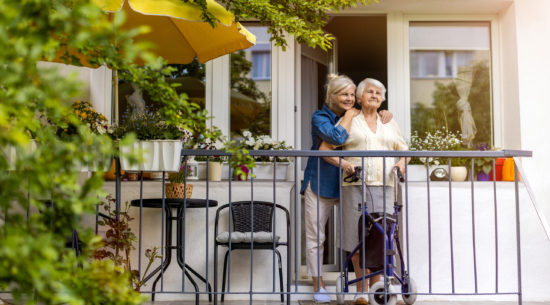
pixel 518 233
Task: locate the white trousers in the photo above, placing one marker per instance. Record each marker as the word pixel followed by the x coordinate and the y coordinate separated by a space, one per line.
pixel 314 245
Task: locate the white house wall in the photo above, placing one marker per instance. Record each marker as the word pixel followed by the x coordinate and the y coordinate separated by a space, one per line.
pixel 96 84
pixel 533 49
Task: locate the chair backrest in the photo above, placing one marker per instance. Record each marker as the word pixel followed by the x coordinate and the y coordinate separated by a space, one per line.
pixel 243 218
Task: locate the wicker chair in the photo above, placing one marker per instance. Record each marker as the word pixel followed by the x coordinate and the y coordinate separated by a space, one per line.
pixel 248 215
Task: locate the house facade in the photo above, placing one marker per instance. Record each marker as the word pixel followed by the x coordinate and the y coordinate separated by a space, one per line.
pixel 493 51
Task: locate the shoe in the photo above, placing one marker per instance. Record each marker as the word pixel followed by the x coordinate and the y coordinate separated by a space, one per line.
pixel 321 296
pixel 361 299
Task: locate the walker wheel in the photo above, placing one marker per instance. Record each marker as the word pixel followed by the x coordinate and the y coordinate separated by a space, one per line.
pixel 339 290
pixel 377 296
pixel 409 291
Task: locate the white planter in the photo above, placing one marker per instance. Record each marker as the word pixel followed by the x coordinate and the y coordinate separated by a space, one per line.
pixel 158 155
pixel 96 165
pixel 459 173
pixel 417 172
pixel 264 170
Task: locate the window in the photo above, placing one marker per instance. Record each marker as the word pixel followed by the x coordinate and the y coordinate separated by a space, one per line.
pixel 261 65
pixel 190 77
pixel 450 79
pixel 251 86
pixel 439 64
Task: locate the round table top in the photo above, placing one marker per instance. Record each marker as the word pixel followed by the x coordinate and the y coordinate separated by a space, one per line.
pixel 175 203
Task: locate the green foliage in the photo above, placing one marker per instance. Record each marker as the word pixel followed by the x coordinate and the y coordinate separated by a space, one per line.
pixel 302 18
pixel 263 142
pixel 149 125
pixel 444 112
pixel 34 263
pixel 181 175
pixel 240 81
pixel 174 108
pixel 119 242
pixel 439 140
pixel 210 139
pixel 483 165
pixel 240 158
pixel 193 69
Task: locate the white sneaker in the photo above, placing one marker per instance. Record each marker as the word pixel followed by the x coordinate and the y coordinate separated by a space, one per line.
pixel 321 296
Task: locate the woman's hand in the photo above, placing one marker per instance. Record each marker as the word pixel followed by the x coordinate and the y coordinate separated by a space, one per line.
pixel 348 167
pixel 401 165
pixel 353 112
pixel 385 116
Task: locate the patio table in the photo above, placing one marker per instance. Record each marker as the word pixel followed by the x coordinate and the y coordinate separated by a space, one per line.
pixel 179 204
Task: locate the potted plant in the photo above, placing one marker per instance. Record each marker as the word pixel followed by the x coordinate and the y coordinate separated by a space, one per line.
pixel 158 142
pixel 95 122
pixel 178 186
pixel 265 165
pixel 459 168
pixel 483 166
pixel 118 242
pixel 439 140
pixel 211 139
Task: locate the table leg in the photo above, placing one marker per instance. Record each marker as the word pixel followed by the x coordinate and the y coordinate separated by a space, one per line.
pixel 179 253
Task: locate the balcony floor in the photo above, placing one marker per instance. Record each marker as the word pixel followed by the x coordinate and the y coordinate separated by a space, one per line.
pixel 302 302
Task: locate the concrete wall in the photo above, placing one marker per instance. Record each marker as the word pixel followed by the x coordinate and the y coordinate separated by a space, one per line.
pixel 533 49
pixel 535 247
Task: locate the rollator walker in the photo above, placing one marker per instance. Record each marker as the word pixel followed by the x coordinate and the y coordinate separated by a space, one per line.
pixel 392 283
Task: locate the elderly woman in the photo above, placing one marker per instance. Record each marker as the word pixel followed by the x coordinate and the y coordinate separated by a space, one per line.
pixel 367 133
pixel 321 187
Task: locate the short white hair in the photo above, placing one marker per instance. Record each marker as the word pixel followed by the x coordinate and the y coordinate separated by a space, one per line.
pixel 335 84
pixel 370 81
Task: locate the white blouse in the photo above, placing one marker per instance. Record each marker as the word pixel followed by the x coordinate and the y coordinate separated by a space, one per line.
pixel 361 137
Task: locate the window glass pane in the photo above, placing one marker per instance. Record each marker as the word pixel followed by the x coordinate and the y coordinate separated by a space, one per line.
pixel 251 86
pixel 451 79
pixel 191 78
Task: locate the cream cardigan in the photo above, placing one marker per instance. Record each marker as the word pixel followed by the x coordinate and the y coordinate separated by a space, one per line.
pixel 387 137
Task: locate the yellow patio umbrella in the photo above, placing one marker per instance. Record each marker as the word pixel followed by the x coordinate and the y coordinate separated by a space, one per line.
pixel 178 30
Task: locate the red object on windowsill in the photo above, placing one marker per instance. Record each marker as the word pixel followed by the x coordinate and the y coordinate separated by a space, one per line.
pixel 498 165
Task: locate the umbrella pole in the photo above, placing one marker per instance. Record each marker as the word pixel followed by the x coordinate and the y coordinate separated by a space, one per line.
pixel 115 99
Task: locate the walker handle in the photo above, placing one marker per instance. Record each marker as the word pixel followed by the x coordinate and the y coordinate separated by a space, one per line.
pixel 397 174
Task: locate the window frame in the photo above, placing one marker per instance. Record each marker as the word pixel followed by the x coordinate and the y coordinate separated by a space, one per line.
pixel 496 85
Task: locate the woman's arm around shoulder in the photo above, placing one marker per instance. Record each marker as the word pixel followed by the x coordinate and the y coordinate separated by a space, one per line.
pixel 323 126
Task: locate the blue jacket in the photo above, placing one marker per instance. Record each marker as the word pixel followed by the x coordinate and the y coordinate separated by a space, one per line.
pixel 323 129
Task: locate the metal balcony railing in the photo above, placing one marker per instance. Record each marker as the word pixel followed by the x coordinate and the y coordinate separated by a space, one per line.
pixel 462 239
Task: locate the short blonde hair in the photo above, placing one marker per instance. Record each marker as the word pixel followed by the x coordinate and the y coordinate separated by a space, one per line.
pixel 370 81
pixel 335 84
